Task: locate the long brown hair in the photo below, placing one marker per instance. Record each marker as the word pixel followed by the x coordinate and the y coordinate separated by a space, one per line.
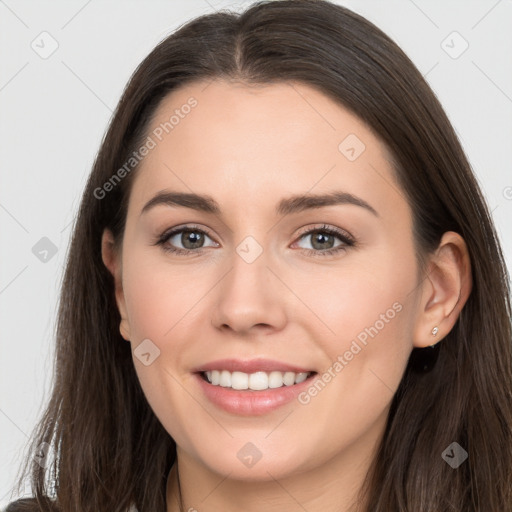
pixel 110 450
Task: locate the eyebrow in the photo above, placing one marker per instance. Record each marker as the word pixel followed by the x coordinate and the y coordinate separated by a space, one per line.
pixel 287 206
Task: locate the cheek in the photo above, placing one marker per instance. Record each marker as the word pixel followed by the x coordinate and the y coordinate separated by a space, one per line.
pixel 366 356
pixel 364 297
pixel 158 298
pixel 363 322
pixel 159 295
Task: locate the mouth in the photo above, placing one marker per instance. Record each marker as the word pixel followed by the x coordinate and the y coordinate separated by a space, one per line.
pixel 257 381
pixel 252 387
pixel 252 394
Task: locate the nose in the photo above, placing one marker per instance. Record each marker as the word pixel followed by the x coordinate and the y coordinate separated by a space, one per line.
pixel 250 298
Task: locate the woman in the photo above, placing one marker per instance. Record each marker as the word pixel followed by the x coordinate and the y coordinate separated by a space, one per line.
pixel 208 360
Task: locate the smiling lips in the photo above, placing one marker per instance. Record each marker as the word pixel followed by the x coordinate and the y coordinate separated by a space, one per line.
pixel 252 387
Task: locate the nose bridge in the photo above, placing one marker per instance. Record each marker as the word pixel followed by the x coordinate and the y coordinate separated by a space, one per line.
pixel 247 296
pixel 249 275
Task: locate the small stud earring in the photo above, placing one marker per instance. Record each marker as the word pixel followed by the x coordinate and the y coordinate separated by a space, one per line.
pixel 424 359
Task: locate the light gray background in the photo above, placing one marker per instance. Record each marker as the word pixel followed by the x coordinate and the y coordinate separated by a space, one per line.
pixel 54 112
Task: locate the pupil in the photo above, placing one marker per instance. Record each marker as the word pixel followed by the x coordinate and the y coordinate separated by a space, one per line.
pixel 193 237
pixel 322 238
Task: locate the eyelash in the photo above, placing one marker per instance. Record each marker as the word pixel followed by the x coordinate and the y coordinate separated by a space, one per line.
pixel 343 236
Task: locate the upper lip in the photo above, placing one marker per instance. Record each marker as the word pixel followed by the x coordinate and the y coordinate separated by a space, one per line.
pixel 250 366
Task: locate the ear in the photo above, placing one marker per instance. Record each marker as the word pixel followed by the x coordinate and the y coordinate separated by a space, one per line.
pixel 112 260
pixel 444 290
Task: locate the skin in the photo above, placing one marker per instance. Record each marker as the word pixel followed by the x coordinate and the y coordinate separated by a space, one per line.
pixel 249 147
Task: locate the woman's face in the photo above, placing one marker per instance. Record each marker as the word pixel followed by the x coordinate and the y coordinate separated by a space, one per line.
pixel 254 280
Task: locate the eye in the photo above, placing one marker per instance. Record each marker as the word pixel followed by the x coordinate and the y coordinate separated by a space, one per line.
pixel 191 238
pixel 323 238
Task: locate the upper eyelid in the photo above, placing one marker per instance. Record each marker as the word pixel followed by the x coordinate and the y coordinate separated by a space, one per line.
pixel 325 227
pixel 188 227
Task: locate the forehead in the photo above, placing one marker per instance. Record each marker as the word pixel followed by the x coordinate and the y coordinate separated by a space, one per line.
pixel 249 145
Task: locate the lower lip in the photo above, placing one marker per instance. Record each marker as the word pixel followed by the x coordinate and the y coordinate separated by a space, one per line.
pixel 248 402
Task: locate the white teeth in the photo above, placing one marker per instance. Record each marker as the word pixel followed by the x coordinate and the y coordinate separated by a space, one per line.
pixel 275 380
pixel 225 379
pixel 256 381
pixel 301 377
pixel 289 378
pixel 214 377
pixel 239 380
